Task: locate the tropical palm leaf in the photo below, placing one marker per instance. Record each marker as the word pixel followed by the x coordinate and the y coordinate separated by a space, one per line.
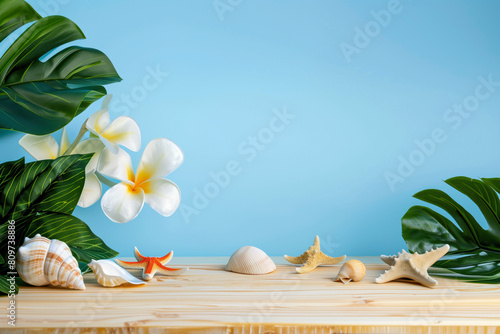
pixel 40 198
pixel 5 286
pixel 41 97
pixel 474 251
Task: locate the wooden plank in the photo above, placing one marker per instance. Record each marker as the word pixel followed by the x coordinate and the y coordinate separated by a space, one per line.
pixel 207 299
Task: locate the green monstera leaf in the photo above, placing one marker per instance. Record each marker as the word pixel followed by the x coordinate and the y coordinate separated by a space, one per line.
pixel 41 97
pixel 474 251
pixel 39 198
pixel 14 15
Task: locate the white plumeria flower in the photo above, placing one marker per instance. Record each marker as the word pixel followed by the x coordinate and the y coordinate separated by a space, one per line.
pixel 46 147
pixel 122 131
pixel 124 201
pixel 92 190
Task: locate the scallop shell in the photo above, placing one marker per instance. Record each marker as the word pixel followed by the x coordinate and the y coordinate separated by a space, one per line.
pixel 251 261
pixel 109 274
pixel 41 261
pixel 352 270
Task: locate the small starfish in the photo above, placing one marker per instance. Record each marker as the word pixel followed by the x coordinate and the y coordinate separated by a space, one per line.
pixel 151 265
pixel 312 258
pixel 412 266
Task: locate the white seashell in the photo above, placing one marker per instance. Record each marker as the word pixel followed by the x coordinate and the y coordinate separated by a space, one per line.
pixel 352 270
pixel 250 260
pixel 109 274
pixel 41 261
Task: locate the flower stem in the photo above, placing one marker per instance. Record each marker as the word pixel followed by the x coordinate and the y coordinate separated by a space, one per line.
pixel 83 131
pixel 104 179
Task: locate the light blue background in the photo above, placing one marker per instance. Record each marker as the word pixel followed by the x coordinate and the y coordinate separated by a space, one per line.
pixel 324 173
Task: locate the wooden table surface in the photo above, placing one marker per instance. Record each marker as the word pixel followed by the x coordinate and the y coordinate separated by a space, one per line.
pixel 207 299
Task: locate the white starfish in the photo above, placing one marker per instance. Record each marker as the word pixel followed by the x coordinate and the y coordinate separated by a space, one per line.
pixel 412 266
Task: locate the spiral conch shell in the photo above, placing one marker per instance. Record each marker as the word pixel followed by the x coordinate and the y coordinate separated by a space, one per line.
pixel 41 261
pixel 109 274
pixel 251 261
pixel 352 270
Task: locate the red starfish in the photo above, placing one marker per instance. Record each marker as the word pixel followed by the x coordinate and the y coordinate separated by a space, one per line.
pixel 151 265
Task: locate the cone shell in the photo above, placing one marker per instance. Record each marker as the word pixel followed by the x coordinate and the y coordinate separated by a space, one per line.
pixel 41 261
pixel 109 274
pixel 352 270
pixel 251 261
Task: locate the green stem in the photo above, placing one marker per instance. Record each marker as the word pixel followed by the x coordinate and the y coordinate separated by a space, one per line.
pixel 104 179
pixel 83 131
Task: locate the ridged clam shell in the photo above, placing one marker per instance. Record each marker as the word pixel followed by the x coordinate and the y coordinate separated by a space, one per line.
pixel 352 270
pixel 109 274
pixel 41 261
pixel 251 261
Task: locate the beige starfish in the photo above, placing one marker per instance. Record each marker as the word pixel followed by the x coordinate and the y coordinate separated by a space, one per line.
pixel 312 258
pixel 412 266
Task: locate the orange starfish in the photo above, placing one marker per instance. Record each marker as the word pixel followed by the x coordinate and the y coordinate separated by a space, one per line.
pixel 151 265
